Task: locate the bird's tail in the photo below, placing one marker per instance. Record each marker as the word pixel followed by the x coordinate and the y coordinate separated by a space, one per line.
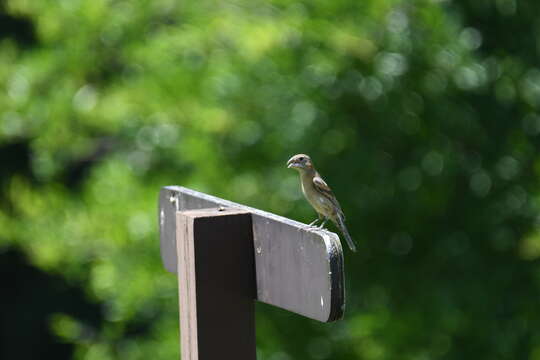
pixel 340 223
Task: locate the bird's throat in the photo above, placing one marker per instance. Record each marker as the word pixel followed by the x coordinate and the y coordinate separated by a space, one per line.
pixel 306 180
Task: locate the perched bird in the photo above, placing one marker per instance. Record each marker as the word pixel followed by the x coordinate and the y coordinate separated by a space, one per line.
pixel 319 195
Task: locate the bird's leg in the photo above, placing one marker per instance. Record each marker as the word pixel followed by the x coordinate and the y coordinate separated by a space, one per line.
pixel 322 224
pixel 311 225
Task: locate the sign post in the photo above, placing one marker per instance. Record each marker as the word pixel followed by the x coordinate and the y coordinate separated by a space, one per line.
pixel 228 255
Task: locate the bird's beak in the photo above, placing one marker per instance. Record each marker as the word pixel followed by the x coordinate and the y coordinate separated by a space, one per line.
pixel 290 163
pixel 294 166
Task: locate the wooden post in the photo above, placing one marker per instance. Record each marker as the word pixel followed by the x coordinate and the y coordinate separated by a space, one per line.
pixel 228 255
pixel 216 279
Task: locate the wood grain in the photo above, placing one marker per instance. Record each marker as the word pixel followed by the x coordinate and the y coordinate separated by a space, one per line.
pixel 297 268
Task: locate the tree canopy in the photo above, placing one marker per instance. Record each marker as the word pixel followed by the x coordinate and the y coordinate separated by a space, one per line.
pixel 422 115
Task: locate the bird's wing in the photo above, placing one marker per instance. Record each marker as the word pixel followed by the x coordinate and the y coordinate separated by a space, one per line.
pixel 322 187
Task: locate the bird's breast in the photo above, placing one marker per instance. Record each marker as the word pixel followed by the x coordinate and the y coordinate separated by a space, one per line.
pixel 322 205
pixel 319 202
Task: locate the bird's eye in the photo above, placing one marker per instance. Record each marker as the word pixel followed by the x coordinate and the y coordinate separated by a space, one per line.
pixel 301 158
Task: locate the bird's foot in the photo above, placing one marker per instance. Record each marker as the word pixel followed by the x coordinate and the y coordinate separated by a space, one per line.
pixel 316 228
pixel 311 225
pixel 321 227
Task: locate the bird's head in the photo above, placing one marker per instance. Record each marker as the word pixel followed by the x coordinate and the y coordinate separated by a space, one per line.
pixel 300 162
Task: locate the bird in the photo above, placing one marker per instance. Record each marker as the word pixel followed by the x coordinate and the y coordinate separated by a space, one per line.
pixel 319 195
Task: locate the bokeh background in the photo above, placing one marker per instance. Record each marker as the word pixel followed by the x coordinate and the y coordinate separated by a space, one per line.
pixel 423 115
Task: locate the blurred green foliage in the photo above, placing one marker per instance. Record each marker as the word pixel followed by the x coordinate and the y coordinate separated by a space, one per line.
pixel 421 114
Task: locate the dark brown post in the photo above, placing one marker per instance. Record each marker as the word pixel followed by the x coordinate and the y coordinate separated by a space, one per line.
pixel 216 278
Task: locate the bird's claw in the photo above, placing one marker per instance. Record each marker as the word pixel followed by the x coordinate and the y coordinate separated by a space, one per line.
pixel 313 227
pixel 321 226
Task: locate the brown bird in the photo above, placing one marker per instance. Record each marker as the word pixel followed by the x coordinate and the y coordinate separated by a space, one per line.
pixel 319 195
